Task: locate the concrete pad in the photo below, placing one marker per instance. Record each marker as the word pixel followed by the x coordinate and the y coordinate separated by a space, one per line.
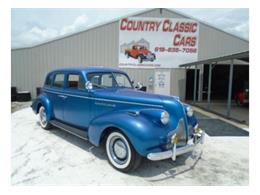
pixel 15 106
pixel 41 157
pixel 240 113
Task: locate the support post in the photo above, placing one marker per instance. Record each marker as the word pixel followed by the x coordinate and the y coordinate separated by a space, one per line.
pixel 230 87
pixel 185 83
pixel 195 85
pixel 200 84
pixel 209 84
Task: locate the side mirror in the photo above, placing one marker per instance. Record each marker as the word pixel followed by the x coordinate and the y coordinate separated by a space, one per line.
pixel 139 85
pixel 88 86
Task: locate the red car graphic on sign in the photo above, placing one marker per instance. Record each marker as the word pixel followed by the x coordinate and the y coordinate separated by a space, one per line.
pixel 141 53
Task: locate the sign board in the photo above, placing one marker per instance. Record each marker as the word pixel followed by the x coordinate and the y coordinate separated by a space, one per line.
pixel 162 82
pixel 157 42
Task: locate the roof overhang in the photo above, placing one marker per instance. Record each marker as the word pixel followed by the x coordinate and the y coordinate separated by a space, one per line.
pixel 240 56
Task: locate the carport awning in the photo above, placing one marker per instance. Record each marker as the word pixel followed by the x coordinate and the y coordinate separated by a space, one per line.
pixel 242 56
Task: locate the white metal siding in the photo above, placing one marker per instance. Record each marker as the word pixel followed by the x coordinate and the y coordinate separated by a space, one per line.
pixel 99 47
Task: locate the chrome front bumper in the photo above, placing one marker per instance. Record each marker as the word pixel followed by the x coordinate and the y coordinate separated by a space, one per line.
pixel 198 138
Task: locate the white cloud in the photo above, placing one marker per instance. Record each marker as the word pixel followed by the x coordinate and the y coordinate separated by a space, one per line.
pixel 240 30
pixel 234 21
pixel 38 34
pixel 79 24
pixel 33 35
pixel 42 33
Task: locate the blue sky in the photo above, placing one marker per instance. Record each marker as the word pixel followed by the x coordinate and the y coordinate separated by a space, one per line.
pixel 34 26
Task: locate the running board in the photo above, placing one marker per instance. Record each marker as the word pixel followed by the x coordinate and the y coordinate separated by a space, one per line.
pixel 72 130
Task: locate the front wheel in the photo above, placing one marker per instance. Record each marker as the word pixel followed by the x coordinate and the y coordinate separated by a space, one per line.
pixel 121 154
pixel 43 118
pixel 140 59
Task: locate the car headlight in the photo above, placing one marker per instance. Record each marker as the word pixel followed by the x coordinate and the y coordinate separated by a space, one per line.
pixel 165 117
pixel 189 111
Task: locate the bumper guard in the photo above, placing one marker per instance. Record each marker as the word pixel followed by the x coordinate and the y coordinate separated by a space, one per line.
pixel 198 138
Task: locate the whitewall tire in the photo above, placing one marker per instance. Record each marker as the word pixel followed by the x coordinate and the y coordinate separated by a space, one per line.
pixel 121 154
pixel 43 118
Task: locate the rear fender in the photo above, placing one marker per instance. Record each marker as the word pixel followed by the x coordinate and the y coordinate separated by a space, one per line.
pixel 43 100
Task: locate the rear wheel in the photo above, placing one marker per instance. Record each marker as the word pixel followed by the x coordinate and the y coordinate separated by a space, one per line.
pixel 121 154
pixel 154 57
pixel 43 118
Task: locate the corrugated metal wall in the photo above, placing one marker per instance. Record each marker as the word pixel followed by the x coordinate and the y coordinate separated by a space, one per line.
pixel 178 82
pixel 99 46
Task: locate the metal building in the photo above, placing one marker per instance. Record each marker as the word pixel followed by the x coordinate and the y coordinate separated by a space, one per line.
pixel 99 45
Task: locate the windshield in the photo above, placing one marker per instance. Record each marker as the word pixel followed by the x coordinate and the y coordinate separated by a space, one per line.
pixel 122 80
pixel 108 79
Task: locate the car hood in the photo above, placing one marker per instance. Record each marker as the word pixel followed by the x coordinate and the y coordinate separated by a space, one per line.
pixel 134 96
pixel 145 100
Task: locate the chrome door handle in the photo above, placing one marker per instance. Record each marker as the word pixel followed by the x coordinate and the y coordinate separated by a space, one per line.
pixel 63 96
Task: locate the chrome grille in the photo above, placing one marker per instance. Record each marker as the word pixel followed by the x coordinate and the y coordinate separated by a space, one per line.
pixel 180 133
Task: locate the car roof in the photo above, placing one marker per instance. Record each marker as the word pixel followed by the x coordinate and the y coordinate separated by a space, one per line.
pixel 139 45
pixel 87 69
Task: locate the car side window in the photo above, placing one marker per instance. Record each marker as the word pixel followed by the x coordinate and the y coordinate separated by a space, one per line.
pixel 59 80
pixel 101 79
pixel 49 79
pixel 75 81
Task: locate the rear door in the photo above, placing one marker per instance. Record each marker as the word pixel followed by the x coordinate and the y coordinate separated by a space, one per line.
pixel 57 96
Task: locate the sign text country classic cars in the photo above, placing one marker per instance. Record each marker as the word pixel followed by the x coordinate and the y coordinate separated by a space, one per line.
pixel 157 42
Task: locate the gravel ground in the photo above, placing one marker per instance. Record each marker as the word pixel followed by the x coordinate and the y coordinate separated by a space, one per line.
pixel 41 157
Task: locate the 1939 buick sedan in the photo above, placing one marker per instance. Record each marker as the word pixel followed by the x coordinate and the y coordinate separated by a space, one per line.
pixel 101 105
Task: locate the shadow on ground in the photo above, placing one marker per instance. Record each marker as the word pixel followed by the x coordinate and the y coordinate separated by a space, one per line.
pixel 167 169
pixel 148 169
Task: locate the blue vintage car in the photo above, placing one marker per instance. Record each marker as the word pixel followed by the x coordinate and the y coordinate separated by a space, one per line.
pixel 101 105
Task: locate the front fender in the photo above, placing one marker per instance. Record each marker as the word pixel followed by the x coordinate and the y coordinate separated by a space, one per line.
pixel 44 101
pixel 144 135
pixel 192 121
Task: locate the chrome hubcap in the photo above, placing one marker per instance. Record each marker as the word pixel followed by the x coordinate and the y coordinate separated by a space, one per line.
pixel 120 149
